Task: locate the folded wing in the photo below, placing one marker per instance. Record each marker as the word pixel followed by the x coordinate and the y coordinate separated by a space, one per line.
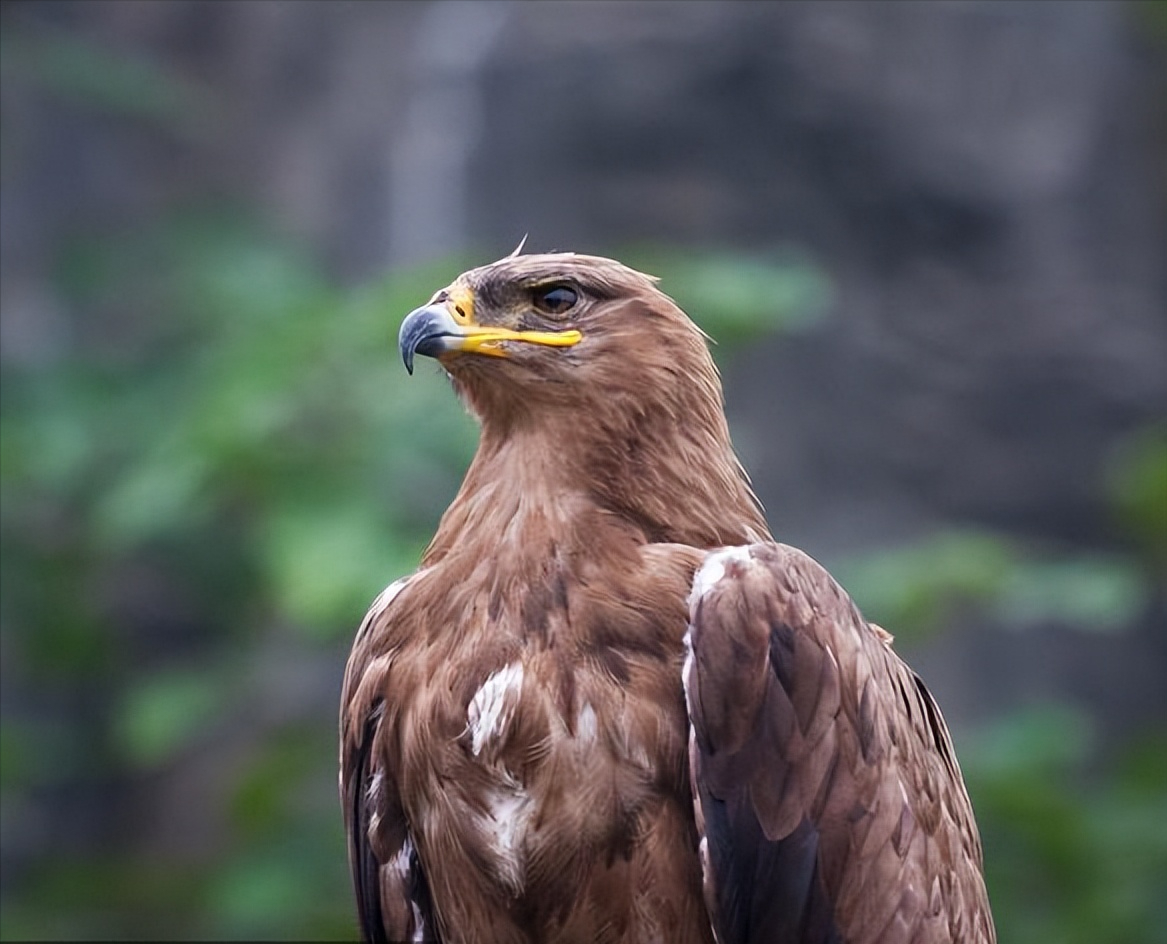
pixel 393 898
pixel 828 798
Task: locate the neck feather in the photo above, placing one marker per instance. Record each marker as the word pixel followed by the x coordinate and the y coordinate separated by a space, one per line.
pixel 667 476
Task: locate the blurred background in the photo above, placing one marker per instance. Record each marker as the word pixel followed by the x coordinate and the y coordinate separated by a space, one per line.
pixel 929 239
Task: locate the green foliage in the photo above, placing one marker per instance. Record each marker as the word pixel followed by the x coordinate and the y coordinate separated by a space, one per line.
pixel 162 712
pixel 922 586
pixel 736 296
pixel 1071 856
pixel 1138 492
pixel 75 70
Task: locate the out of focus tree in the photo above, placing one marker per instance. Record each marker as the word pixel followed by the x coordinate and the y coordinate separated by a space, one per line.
pixel 204 485
pixel 193 522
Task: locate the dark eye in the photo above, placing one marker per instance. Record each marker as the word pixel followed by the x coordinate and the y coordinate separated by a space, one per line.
pixel 555 299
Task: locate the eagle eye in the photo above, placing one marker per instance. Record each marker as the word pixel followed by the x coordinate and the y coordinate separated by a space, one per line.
pixel 555 299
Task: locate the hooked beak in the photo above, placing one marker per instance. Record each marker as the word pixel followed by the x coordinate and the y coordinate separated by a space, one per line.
pixel 434 331
pixel 431 331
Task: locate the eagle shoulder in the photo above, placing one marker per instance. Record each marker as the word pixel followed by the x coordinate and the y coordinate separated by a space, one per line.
pixel 828 800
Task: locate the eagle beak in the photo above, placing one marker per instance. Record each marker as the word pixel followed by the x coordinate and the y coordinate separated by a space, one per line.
pixel 431 331
pixel 434 331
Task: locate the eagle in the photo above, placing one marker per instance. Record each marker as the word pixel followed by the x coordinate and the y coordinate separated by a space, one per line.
pixel 608 706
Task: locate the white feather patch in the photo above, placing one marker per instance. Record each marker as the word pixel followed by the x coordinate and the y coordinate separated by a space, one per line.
pixel 373 800
pixel 713 569
pixel 506 827
pixel 399 865
pixel 585 724
pixel 686 671
pixel 708 575
pixel 493 704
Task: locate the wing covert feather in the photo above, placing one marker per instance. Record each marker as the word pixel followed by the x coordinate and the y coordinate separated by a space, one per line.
pixel 823 775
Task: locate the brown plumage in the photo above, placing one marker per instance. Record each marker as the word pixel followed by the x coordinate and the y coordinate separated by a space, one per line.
pixel 553 732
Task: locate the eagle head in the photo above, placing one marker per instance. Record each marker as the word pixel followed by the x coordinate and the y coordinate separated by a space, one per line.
pixel 553 328
pixel 611 378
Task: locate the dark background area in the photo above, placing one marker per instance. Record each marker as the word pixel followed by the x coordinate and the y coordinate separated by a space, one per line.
pixel 929 239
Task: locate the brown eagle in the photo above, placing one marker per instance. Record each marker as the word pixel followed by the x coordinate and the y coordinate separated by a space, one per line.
pixel 607 707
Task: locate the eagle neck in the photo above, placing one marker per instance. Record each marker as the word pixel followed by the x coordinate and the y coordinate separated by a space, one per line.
pixel 669 469
pixel 516 496
pixel 673 478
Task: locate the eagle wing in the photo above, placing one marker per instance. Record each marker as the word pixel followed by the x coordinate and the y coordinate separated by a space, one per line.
pixel 393 898
pixel 829 803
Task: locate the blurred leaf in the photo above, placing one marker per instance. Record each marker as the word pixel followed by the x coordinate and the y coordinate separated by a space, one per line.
pixel 286 888
pixel 1085 592
pixel 1138 489
pixel 40 751
pixel 735 297
pixel 912 589
pixel 109 896
pixel 162 713
pixel 916 588
pixel 16 752
pixel 251 889
pixel 48 439
pixel 260 803
pixel 1070 856
pixel 78 69
pixel 1143 772
pixel 1038 744
pixel 327 562
pixel 162 493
